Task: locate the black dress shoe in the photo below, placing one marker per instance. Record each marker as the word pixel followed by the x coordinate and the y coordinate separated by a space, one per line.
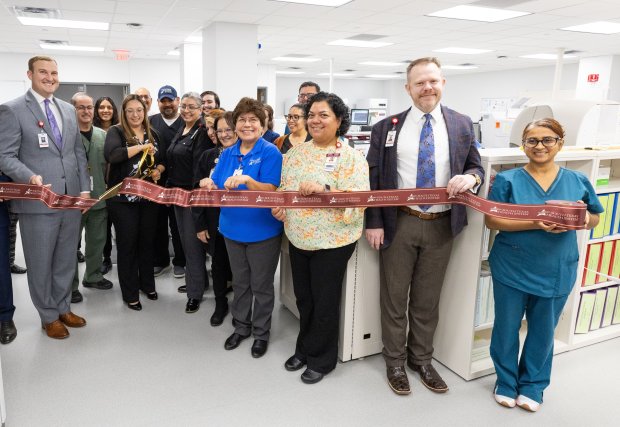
pixel 259 348
pixel 103 284
pixel 152 296
pixel 76 297
pixel 16 269
pixel 311 377
pixel 218 315
pixel 192 306
pixel 8 331
pixel 182 289
pixel 106 266
pixel 80 256
pixel 137 306
pixel 294 363
pixel 429 376
pixel 233 341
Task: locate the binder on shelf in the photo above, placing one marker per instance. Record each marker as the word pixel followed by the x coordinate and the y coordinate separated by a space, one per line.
pixel 610 305
pixel 605 261
pixel 599 230
pixel 615 260
pixel 612 204
pixel 615 227
pixel 599 306
pixel 584 314
pixel 593 258
pixel 616 319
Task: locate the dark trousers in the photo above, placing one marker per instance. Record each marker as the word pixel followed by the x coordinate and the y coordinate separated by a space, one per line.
pixel 412 270
pixel 166 215
pixel 196 278
pixel 135 225
pixel 107 248
pixel 220 269
pixel 317 281
pixel 13 217
pixel 6 285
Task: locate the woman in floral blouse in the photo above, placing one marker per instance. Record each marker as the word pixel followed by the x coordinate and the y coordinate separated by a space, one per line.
pixel 321 240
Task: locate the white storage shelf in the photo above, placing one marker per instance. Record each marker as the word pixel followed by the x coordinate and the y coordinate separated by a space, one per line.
pixel 454 340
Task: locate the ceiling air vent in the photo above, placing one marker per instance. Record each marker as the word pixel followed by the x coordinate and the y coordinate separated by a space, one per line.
pixel 36 12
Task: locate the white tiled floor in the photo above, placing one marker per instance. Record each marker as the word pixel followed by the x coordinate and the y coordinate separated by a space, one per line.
pixel 163 367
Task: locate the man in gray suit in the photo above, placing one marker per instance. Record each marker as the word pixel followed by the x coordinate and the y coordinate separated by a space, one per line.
pixel 40 144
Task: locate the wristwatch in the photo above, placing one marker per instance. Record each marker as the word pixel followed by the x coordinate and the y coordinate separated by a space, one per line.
pixel 327 188
pixel 478 180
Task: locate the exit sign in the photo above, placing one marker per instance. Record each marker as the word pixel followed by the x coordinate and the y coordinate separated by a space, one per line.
pixel 592 78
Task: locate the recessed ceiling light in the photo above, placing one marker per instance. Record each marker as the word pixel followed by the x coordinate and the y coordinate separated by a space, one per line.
pixel 357 43
pixel 68 47
pixel 296 58
pixel 459 67
pixel 600 27
pixel 477 13
pixel 332 3
pixel 64 23
pixel 383 76
pixel 550 56
pixel 338 74
pixel 382 63
pixel 174 52
pixel 462 50
pixel 289 72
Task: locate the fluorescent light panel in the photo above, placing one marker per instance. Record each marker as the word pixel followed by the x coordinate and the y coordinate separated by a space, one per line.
pixel 64 23
pixel 68 47
pixel 338 74
pixel 286 73
pixel 295 59
pixel 459 67
pixel 383 63
pixel 599 27
pixel 462 50
pixel 477 13
pixel 332 3
pixel 548 56
pixel 358 43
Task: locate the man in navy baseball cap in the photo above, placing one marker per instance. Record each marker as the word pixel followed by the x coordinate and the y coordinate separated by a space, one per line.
pixel 167 92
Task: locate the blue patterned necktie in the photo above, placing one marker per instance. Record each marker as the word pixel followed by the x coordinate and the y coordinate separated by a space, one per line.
pixel 53 124
pixel 426 158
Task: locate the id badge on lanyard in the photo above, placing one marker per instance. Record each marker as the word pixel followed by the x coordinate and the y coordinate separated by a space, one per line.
pixel 331 161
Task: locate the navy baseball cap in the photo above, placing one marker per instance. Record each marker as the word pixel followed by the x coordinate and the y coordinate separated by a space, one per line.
pixel 167 92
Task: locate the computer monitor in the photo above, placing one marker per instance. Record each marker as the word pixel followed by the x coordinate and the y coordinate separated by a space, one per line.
pixel 359 117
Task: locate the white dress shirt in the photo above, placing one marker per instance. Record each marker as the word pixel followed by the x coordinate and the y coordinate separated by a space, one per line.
pixel 53 107
pixel 408 148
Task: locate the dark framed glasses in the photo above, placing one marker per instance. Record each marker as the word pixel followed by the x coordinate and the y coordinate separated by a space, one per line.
pixel 547 141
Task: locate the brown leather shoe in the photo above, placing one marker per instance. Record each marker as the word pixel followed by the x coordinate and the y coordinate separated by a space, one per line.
pixel 72 320
pixel 56 330
pixel 397 379
pixel 430 377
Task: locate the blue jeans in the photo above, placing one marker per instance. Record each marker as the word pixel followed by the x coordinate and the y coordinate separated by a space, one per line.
pixel 530 374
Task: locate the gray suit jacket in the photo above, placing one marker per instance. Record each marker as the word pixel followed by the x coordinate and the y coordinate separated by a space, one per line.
pixel 21 157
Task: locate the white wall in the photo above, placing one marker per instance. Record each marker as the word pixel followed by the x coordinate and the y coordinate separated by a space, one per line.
pixel 464 92
pixel 151 74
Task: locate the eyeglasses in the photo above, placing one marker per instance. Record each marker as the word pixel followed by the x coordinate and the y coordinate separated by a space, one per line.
pixel 305 95
pixel 223 132
pixel 137 111
pixel 85 107
pixel 294 117
pixel 547 141
pixel 251 120
pixel 190 107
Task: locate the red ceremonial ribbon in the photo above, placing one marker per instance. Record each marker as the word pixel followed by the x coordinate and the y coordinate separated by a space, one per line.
pixel 566 214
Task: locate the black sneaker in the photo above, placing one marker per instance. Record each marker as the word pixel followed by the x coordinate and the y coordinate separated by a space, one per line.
pixel 76 297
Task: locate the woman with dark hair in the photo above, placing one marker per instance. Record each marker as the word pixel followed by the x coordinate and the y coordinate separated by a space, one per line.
pixel 269 134
pixel 134 218
pixel 534 265
pixel 296 122
pixel 252 235
pixel 207 219
pixel 321 241
pixel 106 113
pixel 182 156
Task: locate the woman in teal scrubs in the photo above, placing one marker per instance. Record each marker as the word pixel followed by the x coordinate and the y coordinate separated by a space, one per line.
pixel 534 265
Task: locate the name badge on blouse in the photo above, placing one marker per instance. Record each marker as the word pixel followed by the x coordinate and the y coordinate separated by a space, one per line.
pixel 391 138
pixel 331 161
pixel 44 141
pixel 238 172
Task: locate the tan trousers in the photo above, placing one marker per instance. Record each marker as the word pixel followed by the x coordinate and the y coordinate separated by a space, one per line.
pixel 412 272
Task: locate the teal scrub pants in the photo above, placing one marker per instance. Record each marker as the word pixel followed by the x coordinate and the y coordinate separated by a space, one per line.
pixel 530 374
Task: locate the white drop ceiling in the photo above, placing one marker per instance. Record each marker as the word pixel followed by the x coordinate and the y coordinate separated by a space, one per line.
pixel 288 28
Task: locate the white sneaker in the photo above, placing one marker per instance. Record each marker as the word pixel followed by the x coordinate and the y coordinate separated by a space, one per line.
pixel 506 401
pixel 527 403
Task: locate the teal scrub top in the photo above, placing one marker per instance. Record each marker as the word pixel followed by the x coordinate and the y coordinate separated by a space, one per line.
pixel 534 261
